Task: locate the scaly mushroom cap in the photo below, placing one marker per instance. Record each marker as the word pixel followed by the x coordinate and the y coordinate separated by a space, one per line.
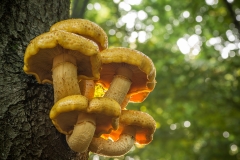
pixel 64 113
pixel 143 123
pixel 39 55
pixel 107 112
pixel 142 67
pixel 84 28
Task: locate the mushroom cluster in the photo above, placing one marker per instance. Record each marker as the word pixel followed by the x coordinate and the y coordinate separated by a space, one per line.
pixel 74 57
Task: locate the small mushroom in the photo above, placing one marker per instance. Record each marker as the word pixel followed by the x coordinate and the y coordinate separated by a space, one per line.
pixel 99 113
pixel 70 118
pixel 62 58
pixel 135 127
pixel 84 28
pixel 126 73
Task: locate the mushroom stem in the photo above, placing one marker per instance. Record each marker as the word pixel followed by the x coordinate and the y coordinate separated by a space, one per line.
pixel 64 74
pixel 125 102
pixel 118 148
pixel 82 133
pixel 87 88
pixel 65 83
pixel 120 85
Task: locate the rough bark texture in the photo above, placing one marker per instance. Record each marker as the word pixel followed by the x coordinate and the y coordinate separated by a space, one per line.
pixel 26 131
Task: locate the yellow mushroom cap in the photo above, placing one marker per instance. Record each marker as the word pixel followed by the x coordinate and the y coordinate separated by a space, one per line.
pixel 39 55
pixel 64 113
pixel 142 67
pixel 143 124
pixel 84 28
pixel 106 111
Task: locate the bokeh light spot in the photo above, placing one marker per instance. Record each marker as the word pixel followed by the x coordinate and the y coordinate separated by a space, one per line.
pixel 173 126
pixel 225 134
pixel 186 14
pixel 155 18
pixel 167 8
pixel 199 19
pixel 187 124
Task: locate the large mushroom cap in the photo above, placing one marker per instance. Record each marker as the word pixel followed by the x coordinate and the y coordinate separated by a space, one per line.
pixel 143 124
pixel 84 28
pixel 39 55
pixel 64 113
pixel 107 112
pixel 142 67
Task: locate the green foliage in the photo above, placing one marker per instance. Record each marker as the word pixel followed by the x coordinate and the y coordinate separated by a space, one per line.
pixel 199 88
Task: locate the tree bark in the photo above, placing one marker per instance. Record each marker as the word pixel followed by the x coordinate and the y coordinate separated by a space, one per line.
pixel 26 131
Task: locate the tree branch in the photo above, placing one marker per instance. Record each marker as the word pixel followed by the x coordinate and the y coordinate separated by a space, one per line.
pixel 232 14
pixel 76 13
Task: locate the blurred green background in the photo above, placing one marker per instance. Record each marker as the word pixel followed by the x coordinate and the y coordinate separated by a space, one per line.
pixel 195 46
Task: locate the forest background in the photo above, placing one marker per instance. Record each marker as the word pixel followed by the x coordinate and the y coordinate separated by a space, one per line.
pixel 195 46
pixel 196 50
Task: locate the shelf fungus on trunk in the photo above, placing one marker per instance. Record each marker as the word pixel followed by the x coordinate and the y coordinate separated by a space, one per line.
pixel 63 58
pixel 127 75
pixel 134 127
pixel 73 56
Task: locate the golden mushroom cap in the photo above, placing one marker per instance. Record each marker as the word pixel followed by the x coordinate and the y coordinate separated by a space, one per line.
pixel 107 112
pixel 84 28
pixel 143 124
pixel 142 67
pixel 39 55
pixel 64 113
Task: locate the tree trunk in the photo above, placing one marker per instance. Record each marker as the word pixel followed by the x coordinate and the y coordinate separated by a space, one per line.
pixel 26 131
